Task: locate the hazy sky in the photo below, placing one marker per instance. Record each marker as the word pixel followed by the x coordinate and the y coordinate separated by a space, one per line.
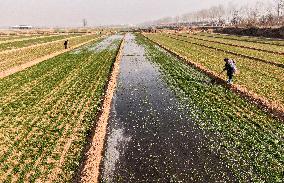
pixel 97 12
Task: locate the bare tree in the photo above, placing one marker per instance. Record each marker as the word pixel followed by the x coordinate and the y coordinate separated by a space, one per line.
pixel 267 20
pixel 279 4
pixel 177 19
pixel 232 12
pixel 220 14
pixel 85 22
pixel 212 13
pixel 203 15
pixel 236 18
pixel 251 14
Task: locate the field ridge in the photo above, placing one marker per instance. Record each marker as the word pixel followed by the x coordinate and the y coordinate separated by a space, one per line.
pixel 231 52
pixel 36 45
pixel 41 59
pixel 90 169
pixel 29 38
pixel 230 44
pixel 276 109
pixel 228 36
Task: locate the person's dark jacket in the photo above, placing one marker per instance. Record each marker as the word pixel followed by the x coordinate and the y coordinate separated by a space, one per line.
pixel 229 69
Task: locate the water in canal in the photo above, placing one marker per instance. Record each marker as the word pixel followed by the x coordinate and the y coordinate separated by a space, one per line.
pixel 150 138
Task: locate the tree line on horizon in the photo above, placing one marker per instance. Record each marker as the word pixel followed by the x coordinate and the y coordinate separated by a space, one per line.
pixel 269 13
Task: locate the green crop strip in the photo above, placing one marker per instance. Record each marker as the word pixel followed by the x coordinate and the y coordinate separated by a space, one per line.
pixel 273 48
pixel 246 39
pixel 264 79
pixel 46 112
pixel 244 51
pixel 17 37
pixel 30 42
pixel 15 58
pixel 249 140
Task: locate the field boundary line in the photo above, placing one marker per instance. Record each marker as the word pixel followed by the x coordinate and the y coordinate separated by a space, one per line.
pixel 58 103
pixel 16 69
pixel 230 44
pixel 80 115
pixel 276 109
pixel 214 35
pixel 251 37
pixel 231 52
pixel 91 168
pixel 31 38
pixel 39 44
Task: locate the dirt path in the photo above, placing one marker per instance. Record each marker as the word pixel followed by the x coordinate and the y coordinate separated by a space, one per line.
pixel 90 172
pixel 36 61
pixel 150 138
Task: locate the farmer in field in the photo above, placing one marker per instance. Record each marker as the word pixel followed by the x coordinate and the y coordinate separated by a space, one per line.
pixel 230 67
pixel 66 44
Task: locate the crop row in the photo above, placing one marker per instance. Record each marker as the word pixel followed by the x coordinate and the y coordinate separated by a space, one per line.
pixel 248 53
pixel 261 78
pixel 32 41
pixel 17 37
pixel 46 112
pixel 275 49
pixel 248 139
pixel 273 108
pixel 267 41
pixel 15 58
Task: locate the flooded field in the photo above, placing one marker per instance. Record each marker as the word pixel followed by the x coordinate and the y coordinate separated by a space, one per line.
pixel 108 42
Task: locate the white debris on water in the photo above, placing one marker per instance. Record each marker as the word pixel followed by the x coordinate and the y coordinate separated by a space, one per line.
pixel 150 136
pixel 107 43
pixel 115 140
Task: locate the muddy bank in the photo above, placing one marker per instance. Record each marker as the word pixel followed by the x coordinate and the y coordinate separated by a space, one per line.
pixel 150 136
pixel 92 155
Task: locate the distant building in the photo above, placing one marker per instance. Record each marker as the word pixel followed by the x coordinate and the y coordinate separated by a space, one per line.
pixel 22 27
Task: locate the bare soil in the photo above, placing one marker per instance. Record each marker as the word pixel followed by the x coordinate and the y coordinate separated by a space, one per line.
pixel 90 171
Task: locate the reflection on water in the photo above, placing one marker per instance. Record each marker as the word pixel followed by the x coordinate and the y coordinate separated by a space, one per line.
pixel 115 139
pixel 107 43
pixel 150 137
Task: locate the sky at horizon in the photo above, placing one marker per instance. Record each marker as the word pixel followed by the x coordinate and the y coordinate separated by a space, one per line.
pixel 69 13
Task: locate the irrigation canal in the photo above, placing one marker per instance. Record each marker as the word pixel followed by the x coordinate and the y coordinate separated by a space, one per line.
pixel 150 138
